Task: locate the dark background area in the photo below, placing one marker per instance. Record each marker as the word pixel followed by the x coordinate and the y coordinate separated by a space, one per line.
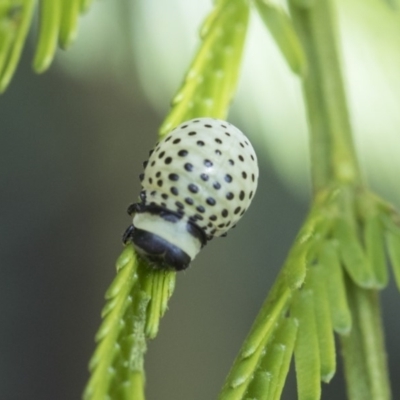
pixel 70 155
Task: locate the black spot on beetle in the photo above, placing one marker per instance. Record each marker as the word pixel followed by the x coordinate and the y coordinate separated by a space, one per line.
pixel 224 213
pixel 189 201
pixel 174 190
pixel 168 160
pixel 188 167
pixel 173 177
pixel 210 201
pixel 182 153
pixel 228 178
pixel 193 188
pixel 241 195
pixel 217 185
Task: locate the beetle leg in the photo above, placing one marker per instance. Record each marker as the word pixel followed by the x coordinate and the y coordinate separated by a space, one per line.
pixel 127 236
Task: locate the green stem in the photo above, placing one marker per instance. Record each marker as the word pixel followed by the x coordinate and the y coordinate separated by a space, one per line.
pixel 334 160
pixel 333 156
pixel 363 349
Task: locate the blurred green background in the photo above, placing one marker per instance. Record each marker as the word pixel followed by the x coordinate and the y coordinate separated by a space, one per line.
pixel 71 148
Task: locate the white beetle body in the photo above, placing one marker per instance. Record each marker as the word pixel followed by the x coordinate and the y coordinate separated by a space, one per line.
pixel 197 183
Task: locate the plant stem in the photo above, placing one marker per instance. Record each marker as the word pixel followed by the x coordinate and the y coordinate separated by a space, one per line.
pixel 334 161
pixel 363 349
pixel 333 157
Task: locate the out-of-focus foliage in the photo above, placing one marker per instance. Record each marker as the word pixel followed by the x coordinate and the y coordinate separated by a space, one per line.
pixel 162 36
pixel 139 295
pixel 58 24
pixel 269 93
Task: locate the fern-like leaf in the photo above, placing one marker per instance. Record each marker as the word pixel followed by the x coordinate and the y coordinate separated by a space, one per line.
pixel 50 17
pixel 318 301
pixel 211 79
pixel 58 23
pixel 144 301
pixel 117 364
pixel 16 20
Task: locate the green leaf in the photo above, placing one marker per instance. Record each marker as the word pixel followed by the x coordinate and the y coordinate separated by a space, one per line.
pixel 7 35
pixel 271 374
pixel 21 20
pixel 212 77
pixel 352 254
pixel 375 250
pixel 306 352
pixel 117 364
pixel 334 280
pixel 281 28
pixel 287 338
pixel 159 287
pixel 69 22
pixel 271 311
pixel 363 349
pixel 49 24
pixel 265 324
pixel 326 339
pixel 241 374
pixel 393 245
